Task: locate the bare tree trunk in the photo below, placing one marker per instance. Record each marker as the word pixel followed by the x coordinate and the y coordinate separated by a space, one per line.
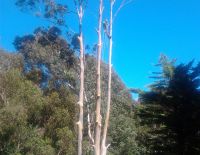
pixel 91 139
pixel 98 103
pixel 103 143
pixel 81 92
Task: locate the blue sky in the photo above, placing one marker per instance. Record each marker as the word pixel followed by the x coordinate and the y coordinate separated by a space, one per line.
pixel 142 30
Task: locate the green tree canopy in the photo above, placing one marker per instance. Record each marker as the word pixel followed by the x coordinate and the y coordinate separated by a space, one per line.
pixel 170 111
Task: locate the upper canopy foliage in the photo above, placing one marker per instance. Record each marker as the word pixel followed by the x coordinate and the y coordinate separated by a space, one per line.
pixel 47 52
pixel 49 9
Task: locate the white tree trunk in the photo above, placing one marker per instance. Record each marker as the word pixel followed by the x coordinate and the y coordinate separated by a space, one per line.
pixel 98 102
pixel 81 92
pixel 104 146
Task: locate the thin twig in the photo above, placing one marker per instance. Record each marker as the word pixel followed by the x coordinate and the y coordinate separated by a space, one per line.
pixel 123 4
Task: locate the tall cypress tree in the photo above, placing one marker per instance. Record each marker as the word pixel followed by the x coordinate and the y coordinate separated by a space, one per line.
pixel 171 110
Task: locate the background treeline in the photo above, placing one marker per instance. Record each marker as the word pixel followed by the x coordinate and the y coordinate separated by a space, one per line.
pixel 39 90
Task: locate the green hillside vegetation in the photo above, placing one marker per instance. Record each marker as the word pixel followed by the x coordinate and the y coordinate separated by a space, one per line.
pixel 44 87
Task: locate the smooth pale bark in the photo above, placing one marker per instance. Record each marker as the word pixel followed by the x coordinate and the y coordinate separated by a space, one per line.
pixel 104 146
pixel 81 92
pixel 98 102
pixel 89 123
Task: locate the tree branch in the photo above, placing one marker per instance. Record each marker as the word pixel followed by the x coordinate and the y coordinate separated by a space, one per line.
pixel 123 4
